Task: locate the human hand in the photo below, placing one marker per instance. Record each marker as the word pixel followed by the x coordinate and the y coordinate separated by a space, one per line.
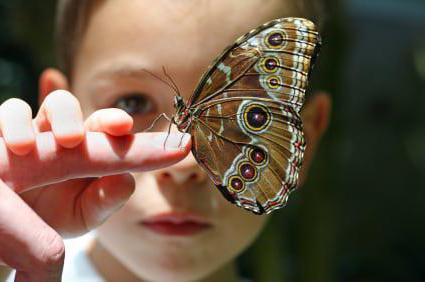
pixel 62 176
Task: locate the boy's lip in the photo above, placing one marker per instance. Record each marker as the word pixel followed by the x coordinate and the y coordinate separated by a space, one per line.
pixel 176 223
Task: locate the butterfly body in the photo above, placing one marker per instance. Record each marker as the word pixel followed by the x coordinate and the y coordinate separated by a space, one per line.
pixel 244 116
pixel 183 117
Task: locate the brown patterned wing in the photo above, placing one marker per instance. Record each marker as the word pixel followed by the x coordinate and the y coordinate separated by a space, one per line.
pixel 273 61
pixel 252 150
pixel 246 127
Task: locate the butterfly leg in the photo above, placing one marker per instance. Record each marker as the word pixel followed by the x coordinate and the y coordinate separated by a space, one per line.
pixel 168 134
pixel 181 140
pixel 163 115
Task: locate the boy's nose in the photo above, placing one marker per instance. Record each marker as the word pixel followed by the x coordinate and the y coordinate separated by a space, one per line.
pixel 185 172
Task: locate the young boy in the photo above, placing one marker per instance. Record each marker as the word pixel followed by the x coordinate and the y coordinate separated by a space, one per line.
pixel 175 226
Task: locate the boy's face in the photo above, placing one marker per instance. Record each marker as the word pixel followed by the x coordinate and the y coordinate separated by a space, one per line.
pixel 122 38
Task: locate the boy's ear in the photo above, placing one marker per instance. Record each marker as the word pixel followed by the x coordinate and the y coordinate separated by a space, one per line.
pixel 50 80
pixel 315 116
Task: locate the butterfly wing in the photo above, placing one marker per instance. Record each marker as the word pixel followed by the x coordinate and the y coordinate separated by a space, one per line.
pixel 275 59
pixel 254 164
pixel 247 130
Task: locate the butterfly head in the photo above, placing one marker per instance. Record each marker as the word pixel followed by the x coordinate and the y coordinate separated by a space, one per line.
pixel 178 103
pixel 182 118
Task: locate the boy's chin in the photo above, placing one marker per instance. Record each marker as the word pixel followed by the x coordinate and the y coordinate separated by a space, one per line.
pixel 174 276
pixel 175 271
pixel 172 261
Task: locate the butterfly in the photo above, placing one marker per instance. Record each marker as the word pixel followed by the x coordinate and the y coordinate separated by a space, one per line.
pixel 244 115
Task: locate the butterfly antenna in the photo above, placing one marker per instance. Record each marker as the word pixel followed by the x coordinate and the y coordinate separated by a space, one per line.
pixel 171 80
pixel 172 86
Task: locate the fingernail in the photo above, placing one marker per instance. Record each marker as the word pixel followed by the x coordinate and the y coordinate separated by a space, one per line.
pixel 172 141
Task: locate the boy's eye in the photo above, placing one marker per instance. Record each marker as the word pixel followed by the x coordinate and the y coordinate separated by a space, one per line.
pixel 135 104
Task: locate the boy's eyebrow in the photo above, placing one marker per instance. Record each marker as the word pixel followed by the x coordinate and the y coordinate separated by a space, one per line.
pixel 121 69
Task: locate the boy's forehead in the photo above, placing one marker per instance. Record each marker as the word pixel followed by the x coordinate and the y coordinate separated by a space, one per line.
pixel 180 33
pixel 225 15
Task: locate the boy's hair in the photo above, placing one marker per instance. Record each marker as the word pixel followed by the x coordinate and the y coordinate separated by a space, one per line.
pixel 71 21
pixel 73 15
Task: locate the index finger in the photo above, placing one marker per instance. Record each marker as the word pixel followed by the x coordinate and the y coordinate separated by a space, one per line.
pixel 99 155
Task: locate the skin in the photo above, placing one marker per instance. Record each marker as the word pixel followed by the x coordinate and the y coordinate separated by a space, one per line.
pixel 92 136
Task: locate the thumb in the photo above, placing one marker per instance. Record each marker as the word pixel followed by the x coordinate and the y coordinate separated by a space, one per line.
pixel 103 197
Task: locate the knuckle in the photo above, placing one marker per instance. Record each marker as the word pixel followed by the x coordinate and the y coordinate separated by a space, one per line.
pixel 100 114
pixel 61 97
pixel 122 112
pixel 16 104
pixel 96 114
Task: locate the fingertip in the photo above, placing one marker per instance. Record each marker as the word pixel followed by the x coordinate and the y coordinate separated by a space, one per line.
pixel 185 146
pixel 172 141
pixel 72 139
pixel 166 149
pixel 186 143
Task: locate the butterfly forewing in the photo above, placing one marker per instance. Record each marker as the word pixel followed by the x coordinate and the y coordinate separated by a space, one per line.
pixel 247 130
pixel 252 63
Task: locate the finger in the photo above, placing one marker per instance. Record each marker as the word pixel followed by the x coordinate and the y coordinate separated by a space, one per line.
pixel 16 126
pixel 99 155
pixel 61 113
pixel 115 122
pixel 28 244
pixel 83 204
pixel 103 197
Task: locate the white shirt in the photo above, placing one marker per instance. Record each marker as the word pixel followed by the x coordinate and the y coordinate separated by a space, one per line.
pixel 77 265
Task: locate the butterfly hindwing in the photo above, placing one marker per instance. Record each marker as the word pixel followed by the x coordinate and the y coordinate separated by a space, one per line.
pixel 259 156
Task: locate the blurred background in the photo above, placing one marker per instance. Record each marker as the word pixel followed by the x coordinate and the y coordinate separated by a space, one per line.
pixel 361 215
